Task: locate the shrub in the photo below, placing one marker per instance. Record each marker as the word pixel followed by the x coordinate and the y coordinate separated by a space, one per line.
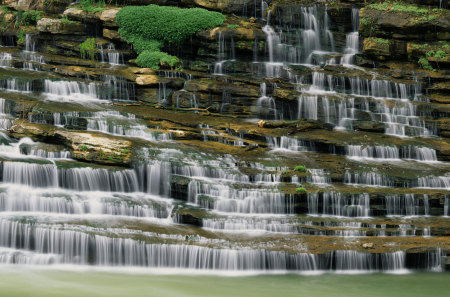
pixel 26 18
pixel 300 168
pixel 151 59
pixel 300 190
pixel 150 27
pixel 88 48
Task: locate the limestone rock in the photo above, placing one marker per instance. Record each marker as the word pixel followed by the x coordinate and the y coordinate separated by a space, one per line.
pixel 377 47
pixel 55 26
pixel 215 86
pixel 84 146
pixel 108 17
pixel 227 6
pixel 112 34
pixel 147 80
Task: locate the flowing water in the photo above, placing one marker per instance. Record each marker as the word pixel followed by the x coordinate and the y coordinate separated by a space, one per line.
pixel 209 189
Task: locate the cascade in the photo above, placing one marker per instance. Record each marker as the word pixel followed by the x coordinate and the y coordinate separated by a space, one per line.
pixel 68 246
pixel 5 59
pixel 110 55
pixel 318 176
pixel 406 204
pixel 222 55
pixel 369 179
pixel 352 40
pixel 337 204
pixel 285 143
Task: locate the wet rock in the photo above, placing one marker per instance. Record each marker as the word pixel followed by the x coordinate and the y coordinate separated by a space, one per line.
pixel 55 26
pixel 376 47
pixel 285 94
pixel 216 86
pixel 84 146
pixel 369 126
pixel 112 34
pixel 405 25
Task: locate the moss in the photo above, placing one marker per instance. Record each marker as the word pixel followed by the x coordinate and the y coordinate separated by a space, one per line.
pixel 67 21
pixel 233 26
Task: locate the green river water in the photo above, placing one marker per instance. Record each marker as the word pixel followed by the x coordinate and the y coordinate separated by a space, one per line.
pixel 20 281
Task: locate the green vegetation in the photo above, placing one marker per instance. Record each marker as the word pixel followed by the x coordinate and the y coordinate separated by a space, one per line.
pixel 88 48
pixel 151 27
pixel 233 26
pixel 66 21
pixel 26 18
pixel 402 7
pixel 380 41
pixel 92 5
pixel 300 190
pixel 300 168
pixel 152 59
pixel 426 64
pixel 83 148
pixel 20 37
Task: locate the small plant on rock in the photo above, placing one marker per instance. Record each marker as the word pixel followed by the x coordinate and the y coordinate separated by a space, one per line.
pixel 300 168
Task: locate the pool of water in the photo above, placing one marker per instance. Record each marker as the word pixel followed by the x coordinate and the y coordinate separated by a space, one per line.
pixel 26 281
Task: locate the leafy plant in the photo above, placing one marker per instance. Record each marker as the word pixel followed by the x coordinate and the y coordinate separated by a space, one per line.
pixel 26 18
pixel 232 26
pixel 88 48
pixel 92 6
pixel 151 27
pixel 300 168
pixel 426 64
pixel 300 190
pixel 20 37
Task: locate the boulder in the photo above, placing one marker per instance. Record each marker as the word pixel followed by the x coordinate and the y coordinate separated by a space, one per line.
pixel 112 34
pixel 147 80
pixel 108 17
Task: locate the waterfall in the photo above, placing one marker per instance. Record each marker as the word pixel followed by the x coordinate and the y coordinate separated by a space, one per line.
pixel 337 204
pixel 67 246
pixel 352 40
pixel 110 55
pixel 318 176
pixel 30 45
pixel 285 143
pixel 5 59
pixel 370 179
pixel 372 152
